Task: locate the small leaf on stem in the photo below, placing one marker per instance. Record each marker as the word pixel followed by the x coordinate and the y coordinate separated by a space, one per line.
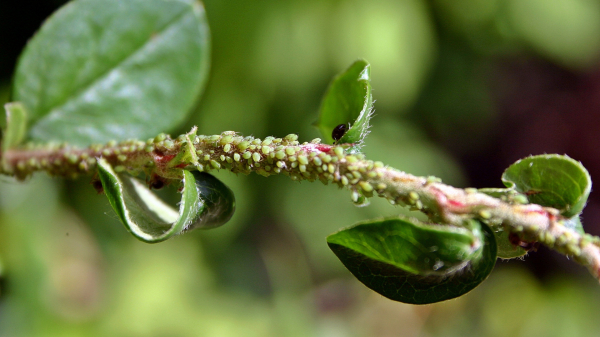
pixel 506 248
pixel 347 106
pixel 551 180
pixel 413 262
pixel 16 125
pixel 206 203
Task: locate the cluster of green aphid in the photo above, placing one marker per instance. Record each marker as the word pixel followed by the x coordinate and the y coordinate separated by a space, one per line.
pixel 300 161
pixel 565 243
pixel 162 159
pixel 248 154
pixel 310 161
pixel 307 161
pixel 56 159
pixel 68 161
pixel 159 156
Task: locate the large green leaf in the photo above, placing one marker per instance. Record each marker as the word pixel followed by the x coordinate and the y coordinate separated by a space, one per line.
pixel 347 105
pixel 113 69
pixel 551 180
pixel 417 263
pixel 206 203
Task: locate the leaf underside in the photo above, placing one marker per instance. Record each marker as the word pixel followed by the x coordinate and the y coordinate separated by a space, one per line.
pixel 146 216
pixel 205 203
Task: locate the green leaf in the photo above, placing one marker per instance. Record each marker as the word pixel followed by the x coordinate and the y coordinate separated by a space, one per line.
pixel 14 131
pixel 113 69
pixel 206 203
pixel 507 250
pixel 551 180
pixel 413 262
pixel 218 200
pixel 16 125
pixel 348 102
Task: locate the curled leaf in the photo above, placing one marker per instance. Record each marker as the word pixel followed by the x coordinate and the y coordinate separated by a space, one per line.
pixel 218 199
pixel 413 262
pixel 205 203
pixel 346 108
pixel 551 180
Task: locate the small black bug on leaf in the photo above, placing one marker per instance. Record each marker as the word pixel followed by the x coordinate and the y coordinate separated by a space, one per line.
pixel 339 131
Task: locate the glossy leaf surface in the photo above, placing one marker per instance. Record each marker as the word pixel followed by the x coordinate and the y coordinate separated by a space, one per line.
pixel 347 104
pixel 551 180
pixel 218 199
pixel 205 203
pixel 113 69
pixel 413 262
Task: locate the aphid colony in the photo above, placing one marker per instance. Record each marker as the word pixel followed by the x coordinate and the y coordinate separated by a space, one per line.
pixel 307 161
pixel 65 160
pixel 268 156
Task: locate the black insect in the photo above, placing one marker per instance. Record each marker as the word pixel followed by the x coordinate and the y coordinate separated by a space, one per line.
pixel 339 131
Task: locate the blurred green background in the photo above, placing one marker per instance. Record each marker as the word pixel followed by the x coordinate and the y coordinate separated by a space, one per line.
pixel 463 88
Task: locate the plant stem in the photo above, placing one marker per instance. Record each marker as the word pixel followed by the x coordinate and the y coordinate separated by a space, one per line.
pixel 165 158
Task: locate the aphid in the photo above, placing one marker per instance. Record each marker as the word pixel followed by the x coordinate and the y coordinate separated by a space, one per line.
pixel 339 131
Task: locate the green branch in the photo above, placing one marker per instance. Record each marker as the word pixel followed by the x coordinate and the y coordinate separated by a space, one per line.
pixel 164 158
